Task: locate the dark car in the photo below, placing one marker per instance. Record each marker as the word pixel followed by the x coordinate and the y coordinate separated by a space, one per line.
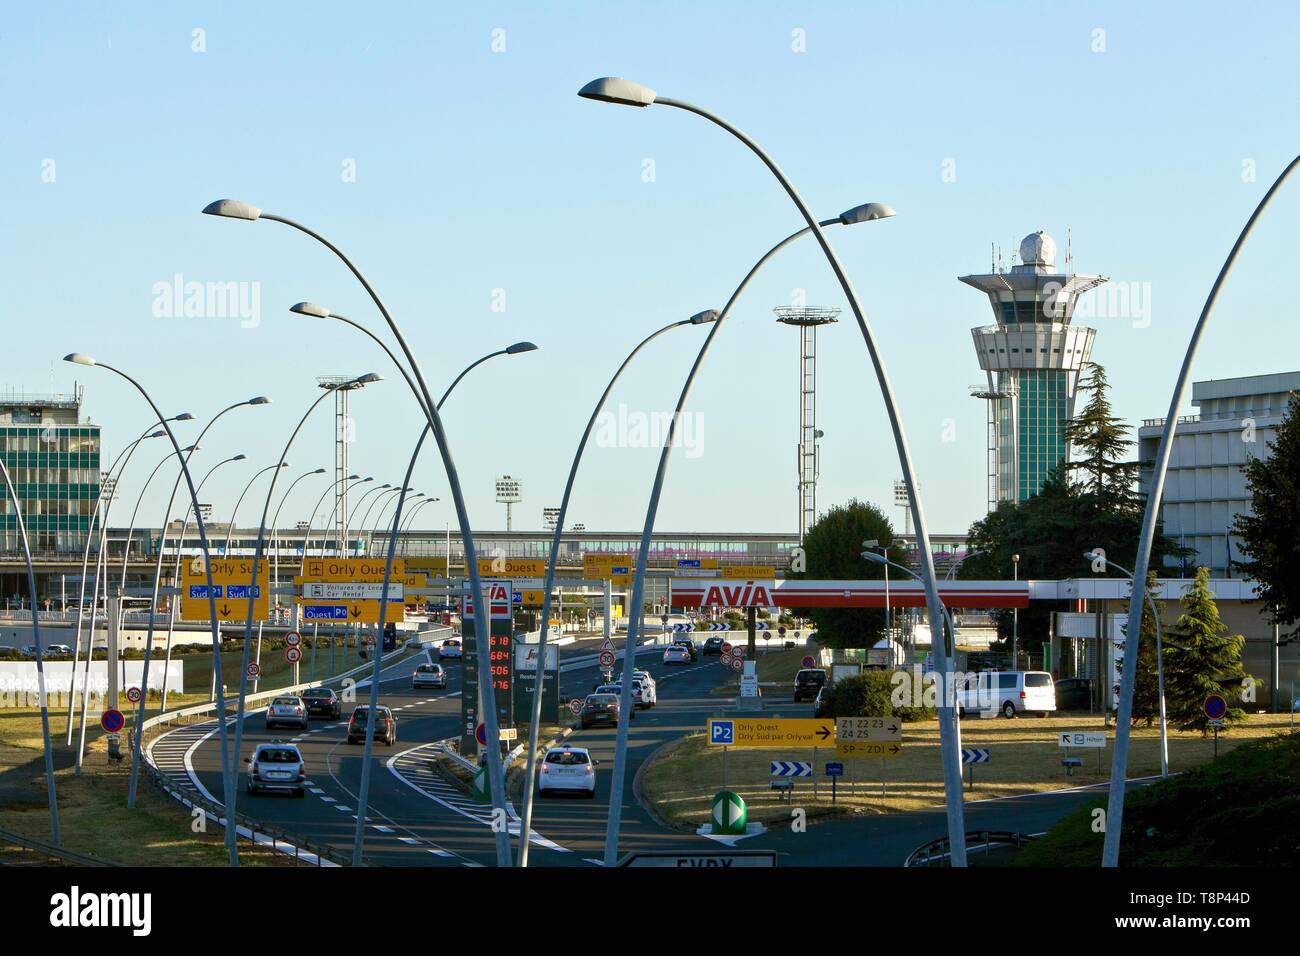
pixel 713 645
pixel 322 702
pixel 808 682
pixel 385 726
pixel 689 644
pixel 599 709
pixel 1074 693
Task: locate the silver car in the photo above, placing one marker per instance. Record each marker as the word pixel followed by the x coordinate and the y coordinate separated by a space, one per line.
pixel 277 766
pixel 287 710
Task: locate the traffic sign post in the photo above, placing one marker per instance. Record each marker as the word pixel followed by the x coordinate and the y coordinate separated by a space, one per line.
pixel 808 661
pixel 774 733
pixel 1087 740
pixel 112 720
pixel 970 757
pixel 575 707
pixel 1216 707
pixel 834 770
pixel 254 670
pixel 133 694
pixel 231 580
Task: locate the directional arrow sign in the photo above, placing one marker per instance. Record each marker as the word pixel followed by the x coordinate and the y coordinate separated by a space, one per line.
pixel 868 728
pixel 1095 741
pixel 866 748
pixel 729 814
pixel 772 733
pixel 791 768
pixel 351 591
pixel 974 755
pixel 324 612
pixel 231 580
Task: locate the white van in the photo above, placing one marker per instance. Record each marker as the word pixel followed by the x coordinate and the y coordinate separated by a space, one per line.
pixel 1009 693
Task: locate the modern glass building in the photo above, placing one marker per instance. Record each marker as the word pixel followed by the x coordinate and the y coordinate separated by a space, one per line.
pixel 53 459
pixel 1032 358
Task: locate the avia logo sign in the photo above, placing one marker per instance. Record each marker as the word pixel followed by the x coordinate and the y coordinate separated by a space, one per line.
pixel 740 595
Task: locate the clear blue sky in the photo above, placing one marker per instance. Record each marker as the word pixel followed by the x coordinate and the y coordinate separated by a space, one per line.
pixel 479 170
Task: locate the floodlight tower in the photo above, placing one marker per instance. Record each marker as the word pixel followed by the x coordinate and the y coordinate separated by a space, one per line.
pixel 808 321
pixel 344 433
pixel 508 495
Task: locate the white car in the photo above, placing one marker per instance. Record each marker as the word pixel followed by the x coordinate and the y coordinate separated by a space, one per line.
pixel 649 689
pixel 1009 693
pixel 567 768
pixel 450 649
pixel 59 649
pixel 287 710
pixel 677 654
pixel 641 697
pixel 429 675
pixel 277 766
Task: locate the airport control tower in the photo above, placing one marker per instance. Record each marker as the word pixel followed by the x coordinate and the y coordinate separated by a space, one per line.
pixel 1032 357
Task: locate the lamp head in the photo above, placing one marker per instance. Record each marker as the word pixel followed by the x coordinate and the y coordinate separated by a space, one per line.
pixel 368 378
pixel 866 213
pixel 259 400
pixel 184 417
pixel 239 458
pixel 352 477
pixel 319 471
pixel 873 556
pixel 615 89
pixel 520 347
pixel 310 309
pixel 190 449
pixel 232 209
pixel 367 478
pixel 708 315
pixel 872 543
pixel 158 434
pixel 76 358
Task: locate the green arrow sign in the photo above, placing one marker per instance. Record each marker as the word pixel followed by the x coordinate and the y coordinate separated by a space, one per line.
pixel 729 814
pixel 482 787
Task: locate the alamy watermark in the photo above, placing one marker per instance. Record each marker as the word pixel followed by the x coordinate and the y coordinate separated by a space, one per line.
pixel 177 298
pixel 633 429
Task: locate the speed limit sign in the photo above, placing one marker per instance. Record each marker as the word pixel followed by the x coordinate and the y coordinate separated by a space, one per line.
pixel 575 706
pixel 254 669
pixel 293 654
pixel 133 694
pixel 293 638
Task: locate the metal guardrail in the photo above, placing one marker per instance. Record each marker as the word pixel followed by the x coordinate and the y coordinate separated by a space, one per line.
pixel 937 852
pixel 53 852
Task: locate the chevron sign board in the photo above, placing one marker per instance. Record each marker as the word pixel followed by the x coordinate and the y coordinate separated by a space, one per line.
pixel 729 814
pixel 791 768
pixel 974 755
pixel 719 626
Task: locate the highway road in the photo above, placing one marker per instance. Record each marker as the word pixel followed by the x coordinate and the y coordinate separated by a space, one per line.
pixel 416 818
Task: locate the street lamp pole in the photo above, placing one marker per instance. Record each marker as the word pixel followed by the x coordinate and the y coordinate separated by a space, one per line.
pixel 1155 490
pixel 51 793
pixel 232 792
pixel 617 90
pixel 534 722
pixel 1135 649
pixel 235 209
pixel 866 213
pixel 78 359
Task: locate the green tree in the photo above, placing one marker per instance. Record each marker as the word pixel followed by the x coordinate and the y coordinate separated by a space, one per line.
pixel 833 550
pixel 1090 502
pixel 1200 658
pixel 1271 533
pixel 1146 688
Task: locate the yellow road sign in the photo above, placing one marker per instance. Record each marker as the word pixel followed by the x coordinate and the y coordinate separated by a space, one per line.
pixel 865 748
pixel 231 578
pixel 531 598
pixel 616 567
pixel 877 729
pixel 511 567
pixel 771 733
pixel 349 569
pixel 350 612
pixel 750 572
pixel 433 567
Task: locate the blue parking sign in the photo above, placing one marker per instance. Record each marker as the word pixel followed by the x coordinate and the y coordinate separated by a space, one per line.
pixel 722 733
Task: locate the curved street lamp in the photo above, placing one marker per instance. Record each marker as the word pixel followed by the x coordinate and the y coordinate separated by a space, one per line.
pixel 625 92
pixel 235 209
pixel 1155 490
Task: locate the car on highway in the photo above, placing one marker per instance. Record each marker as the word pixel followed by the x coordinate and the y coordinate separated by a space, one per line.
pixel 599 708
pixel 567 769
pixel 808 682
pixel 286 710
pixel 450 649
pixel 1074 693
pixel 385 726
pixel 689 644
pixel 429 675
pixel 1009 693
pixel 59 650
pixel 29 650
pixel 616 690
pixel 712 645
pixel 321 701
pixel 277 766
pixel 676 654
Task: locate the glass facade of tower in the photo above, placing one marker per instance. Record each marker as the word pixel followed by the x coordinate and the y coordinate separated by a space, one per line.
pixel 1041 409
pixel 55 471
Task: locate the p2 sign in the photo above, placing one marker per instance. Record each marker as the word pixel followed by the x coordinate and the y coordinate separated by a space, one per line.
pixel 722 733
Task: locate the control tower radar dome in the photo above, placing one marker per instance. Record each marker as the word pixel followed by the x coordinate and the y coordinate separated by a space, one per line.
pixel 1038 249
